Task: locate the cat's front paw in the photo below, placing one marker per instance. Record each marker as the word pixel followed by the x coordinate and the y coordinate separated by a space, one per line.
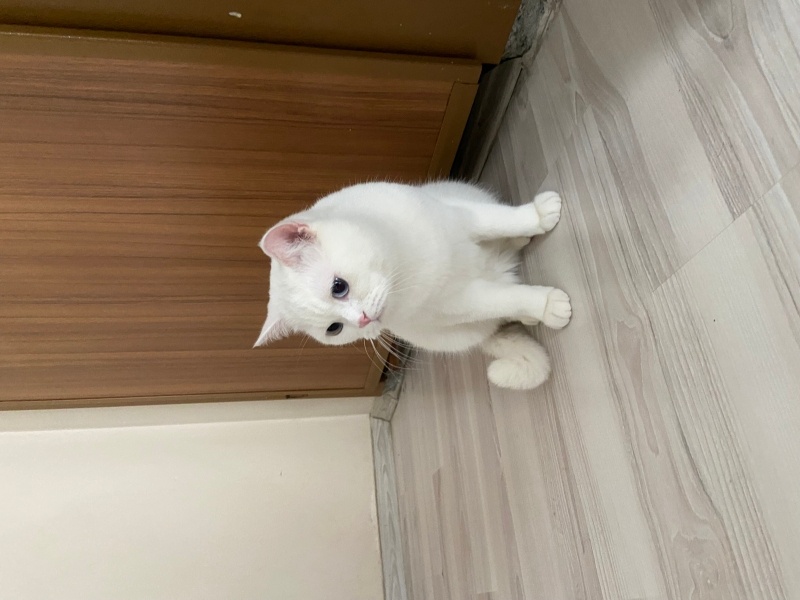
pixel 548 206
pixel 558 310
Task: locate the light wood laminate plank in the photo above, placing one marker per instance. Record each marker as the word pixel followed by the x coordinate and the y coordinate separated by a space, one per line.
pixel 661 459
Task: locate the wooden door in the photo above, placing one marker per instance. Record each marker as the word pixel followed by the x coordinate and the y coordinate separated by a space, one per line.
pixel 472 29
pixel 138 175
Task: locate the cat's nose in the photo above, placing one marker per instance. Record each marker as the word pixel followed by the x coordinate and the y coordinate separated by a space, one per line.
pixel 364 320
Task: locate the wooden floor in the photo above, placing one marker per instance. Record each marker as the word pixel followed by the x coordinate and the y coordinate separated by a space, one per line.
pixel 662 460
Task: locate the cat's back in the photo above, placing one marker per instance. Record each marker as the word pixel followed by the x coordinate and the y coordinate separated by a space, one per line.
pixel 457 192
pixel 377 198
pixel 394 211
pixel 385 197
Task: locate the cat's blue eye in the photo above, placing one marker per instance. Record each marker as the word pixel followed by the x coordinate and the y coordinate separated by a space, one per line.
pixel 339 288
pixel 334 329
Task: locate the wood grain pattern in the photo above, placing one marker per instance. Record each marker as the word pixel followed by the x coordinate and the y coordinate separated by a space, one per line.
pixel 661 459
pixel 746 116
pixel 135 189
pixel 473 29
pixel 595 58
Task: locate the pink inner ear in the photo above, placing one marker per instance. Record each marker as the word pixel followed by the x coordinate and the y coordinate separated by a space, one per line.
pixel 285 242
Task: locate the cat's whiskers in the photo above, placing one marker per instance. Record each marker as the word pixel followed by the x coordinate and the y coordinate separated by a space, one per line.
pixel 405 359
pixel 398 345
pixel 397 272
pixel 306 338
pixel 406 288
pixel 398 279
pixel 378 353
pixel 395 281
pixel 354 344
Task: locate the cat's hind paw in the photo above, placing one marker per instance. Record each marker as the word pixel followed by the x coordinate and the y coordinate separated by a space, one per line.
pixel 558 310
pixel 518 373
pixel 548 206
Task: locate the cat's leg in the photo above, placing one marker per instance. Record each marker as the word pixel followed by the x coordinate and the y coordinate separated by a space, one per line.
pixel 518 243
pixel 485 300
pixel 548 207
pixel 495 221
pixel 520 362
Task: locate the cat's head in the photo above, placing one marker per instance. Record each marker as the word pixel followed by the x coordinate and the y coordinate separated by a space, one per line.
pixel 327 281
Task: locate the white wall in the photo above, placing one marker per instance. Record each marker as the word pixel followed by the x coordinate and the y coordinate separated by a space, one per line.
pixel 221 502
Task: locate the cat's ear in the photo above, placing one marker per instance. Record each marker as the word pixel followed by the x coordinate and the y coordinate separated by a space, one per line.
pixel 287 241
pixel 274 328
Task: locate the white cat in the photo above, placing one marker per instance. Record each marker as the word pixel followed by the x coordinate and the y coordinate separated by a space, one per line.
pixel 433 264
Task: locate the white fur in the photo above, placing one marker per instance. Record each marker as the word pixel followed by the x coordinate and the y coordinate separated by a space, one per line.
pixel 433 264
pixel 520 361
